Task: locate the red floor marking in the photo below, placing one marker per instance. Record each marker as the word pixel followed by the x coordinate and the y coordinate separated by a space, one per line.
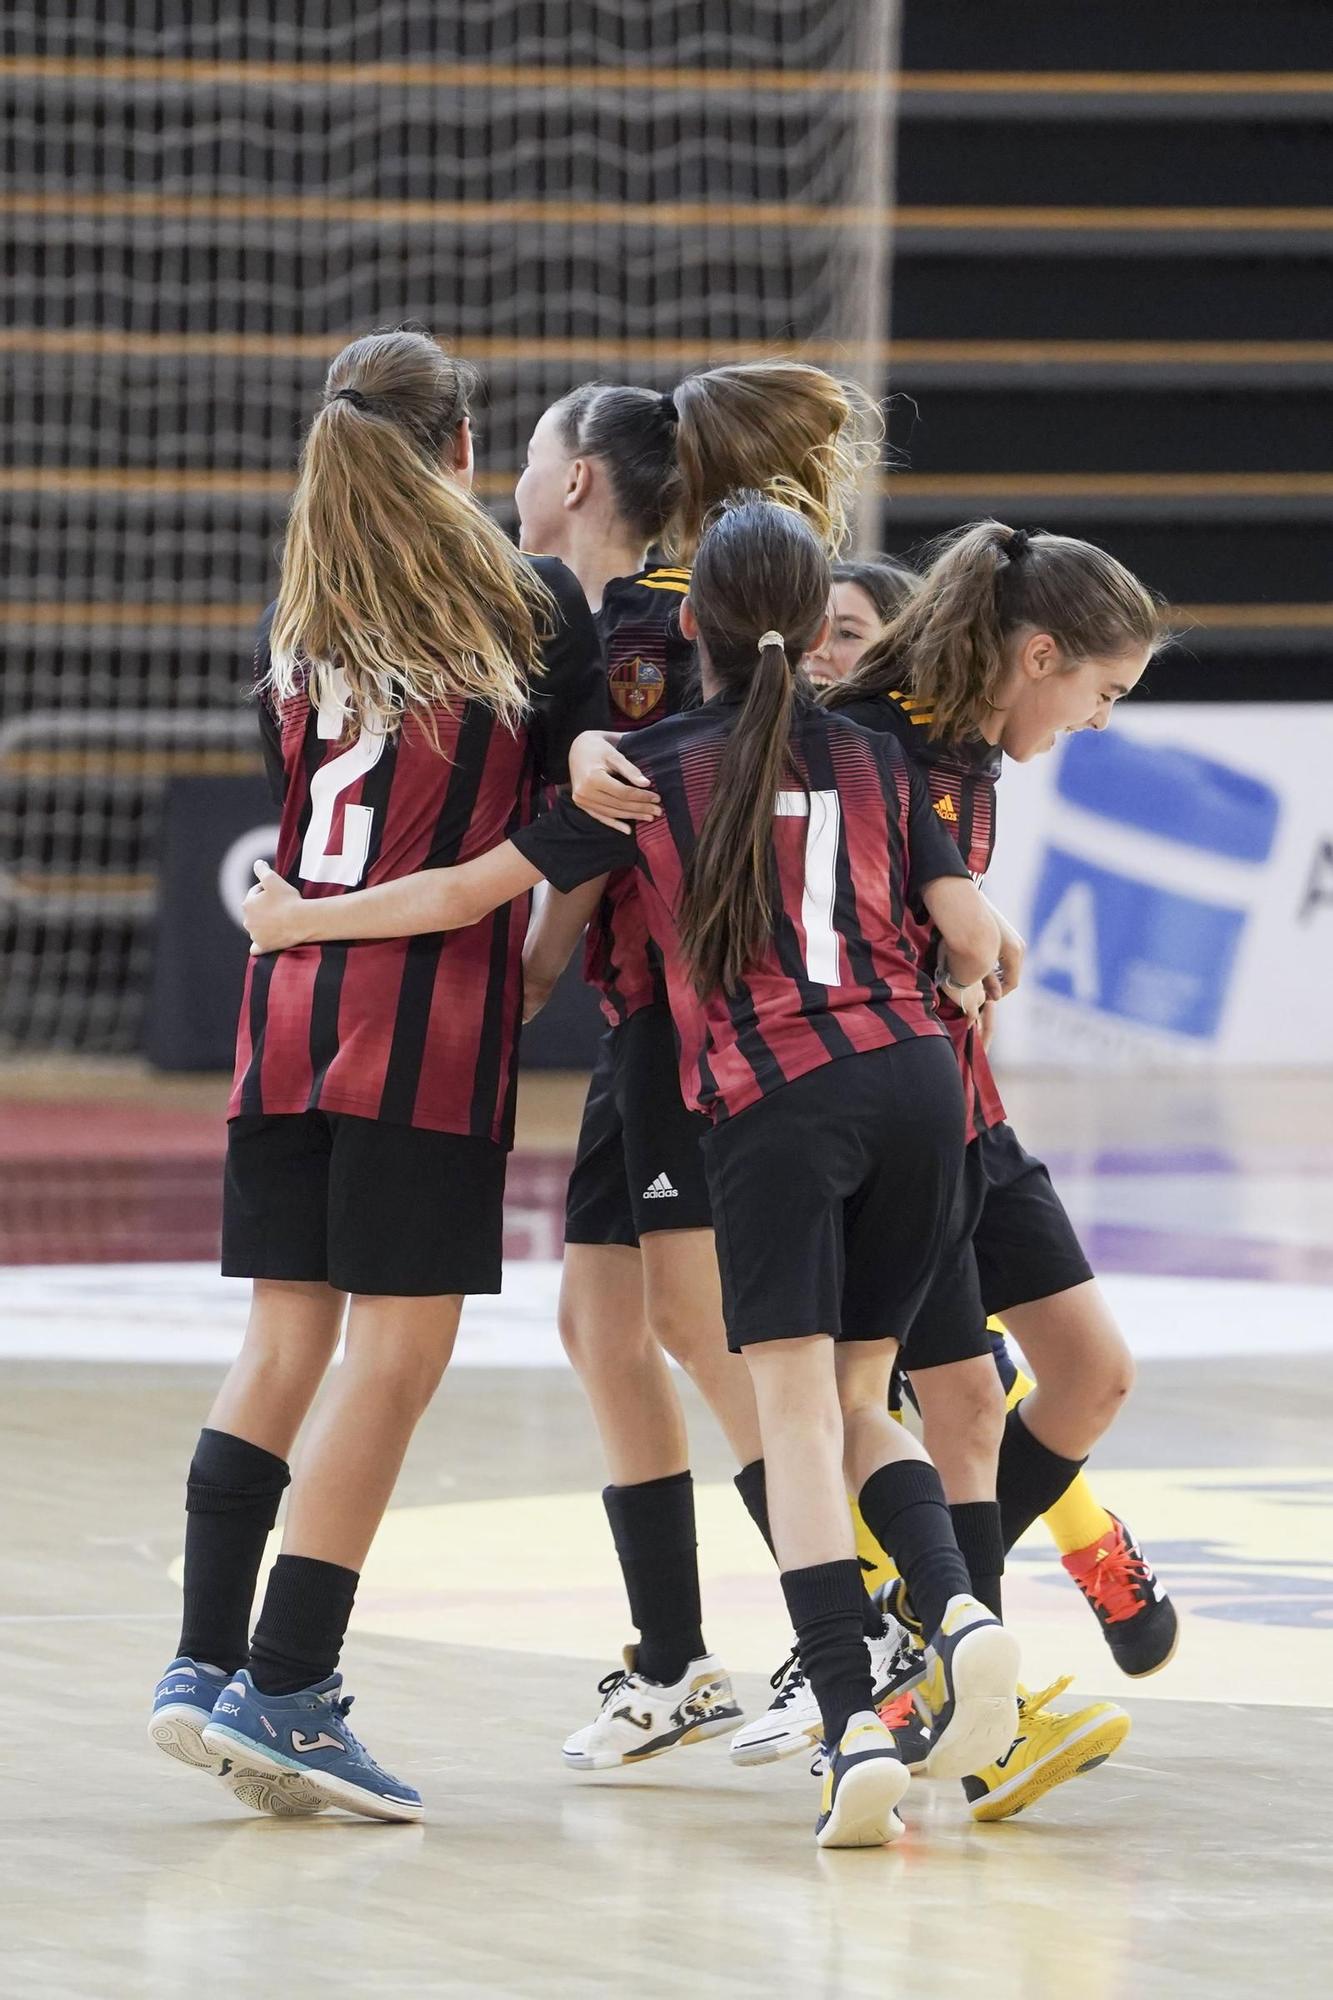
pixel 121 1184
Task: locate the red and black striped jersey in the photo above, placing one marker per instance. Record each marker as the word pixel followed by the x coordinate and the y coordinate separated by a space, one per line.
pixel 424 1030
pixel 962 778
pixel 651 674
pixel 854 838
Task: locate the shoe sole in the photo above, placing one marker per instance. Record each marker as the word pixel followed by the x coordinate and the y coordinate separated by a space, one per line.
pixel 1146 1673
pixel 290 1796
pixel 253 1762
pixel 179 1733
pixel 984 1672
pixel 611 1760
pixel 863 1807
pixel 773 1749
pixel 1099 1739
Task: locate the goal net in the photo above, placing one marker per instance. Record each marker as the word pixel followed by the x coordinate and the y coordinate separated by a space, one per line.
pixel 202 204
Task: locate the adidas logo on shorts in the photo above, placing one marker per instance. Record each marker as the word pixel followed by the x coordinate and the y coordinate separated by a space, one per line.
pixel 659 1189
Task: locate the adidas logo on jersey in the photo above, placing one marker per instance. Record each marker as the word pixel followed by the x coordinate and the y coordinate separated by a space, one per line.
pixel 659 1189
pixel 945 808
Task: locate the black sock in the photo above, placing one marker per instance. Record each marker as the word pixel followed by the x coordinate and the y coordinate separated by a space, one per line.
pixel 752 1485
pixel 231 1502
pixel 976 1528
pixel 1030 1479
pixel 303 1624
pixel 824 1604
pixel 905 1510
pixel 652 1525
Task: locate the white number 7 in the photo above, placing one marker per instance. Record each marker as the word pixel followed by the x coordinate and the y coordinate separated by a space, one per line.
pixel 823 810
pixel 330 781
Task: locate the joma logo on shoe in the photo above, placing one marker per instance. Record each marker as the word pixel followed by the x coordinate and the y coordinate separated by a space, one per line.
pixel 321 1742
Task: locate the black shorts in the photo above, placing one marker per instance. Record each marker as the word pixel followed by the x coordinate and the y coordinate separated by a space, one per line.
pixel 1026 1246
pixel 388 1211
pixel 951 1323
pixel 834 1197
pixel 639 1169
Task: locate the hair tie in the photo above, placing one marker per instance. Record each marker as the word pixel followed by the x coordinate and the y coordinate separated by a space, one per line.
pixel 1017 545
pixel 772 639
pixel 352 396
pixel 667 407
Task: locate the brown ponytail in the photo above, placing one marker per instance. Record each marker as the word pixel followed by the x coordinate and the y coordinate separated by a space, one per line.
pixel 391 572
pixel 948 643
pixel 782 429
pixel 759 568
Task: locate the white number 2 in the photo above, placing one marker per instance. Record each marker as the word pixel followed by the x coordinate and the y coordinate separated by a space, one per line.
pixel 347 865
pixel 823 810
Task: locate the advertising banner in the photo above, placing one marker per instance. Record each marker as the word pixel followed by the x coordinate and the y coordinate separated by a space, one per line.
pixel 1173 876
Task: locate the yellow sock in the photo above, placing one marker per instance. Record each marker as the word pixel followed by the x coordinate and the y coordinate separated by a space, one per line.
pixel 868 1549
pixel 1078 1518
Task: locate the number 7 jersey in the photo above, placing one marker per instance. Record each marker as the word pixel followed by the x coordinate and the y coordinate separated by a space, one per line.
pixel 854 838
pixel 411 1031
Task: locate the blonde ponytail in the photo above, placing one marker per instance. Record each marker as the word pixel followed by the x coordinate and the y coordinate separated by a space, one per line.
pixel 392 575
pixel 948 645
pixel 782 429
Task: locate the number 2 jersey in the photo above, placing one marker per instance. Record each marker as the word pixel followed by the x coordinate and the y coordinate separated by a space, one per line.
pixel 855 838
pixel 412 1031
pixel 961 778
pixel 650 674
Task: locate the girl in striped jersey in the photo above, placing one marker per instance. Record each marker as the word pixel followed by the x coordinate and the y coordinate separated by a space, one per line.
pixel 961 770
pixel 1010 641
pixel 809 1035
pixel 612 471
pixel 419 684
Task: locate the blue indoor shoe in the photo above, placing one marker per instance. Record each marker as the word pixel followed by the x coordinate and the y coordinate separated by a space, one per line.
pixel 182 1705
pixel 306 1734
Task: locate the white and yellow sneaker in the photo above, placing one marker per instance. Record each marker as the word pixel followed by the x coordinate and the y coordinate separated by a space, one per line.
pixel 1048 1749
pixel 968 1695
pixel 641 1719
pixel 864 1779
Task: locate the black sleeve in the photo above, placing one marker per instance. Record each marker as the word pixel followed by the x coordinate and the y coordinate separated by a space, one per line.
pixel 571 695
pixel 570 847
pixel 270 735
pixel 931 851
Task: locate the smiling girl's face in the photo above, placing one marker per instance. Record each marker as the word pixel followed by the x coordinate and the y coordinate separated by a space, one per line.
pixel 1045 698
pixel 854 626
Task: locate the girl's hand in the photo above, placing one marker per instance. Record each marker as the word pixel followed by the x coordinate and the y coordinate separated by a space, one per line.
pixel 272 912
pixel 986 1025
pixel 1013 950
pixel 969 999
pixel 607 786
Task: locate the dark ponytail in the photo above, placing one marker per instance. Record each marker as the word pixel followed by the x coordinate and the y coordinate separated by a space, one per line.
pixel 633 433
pixel 759 572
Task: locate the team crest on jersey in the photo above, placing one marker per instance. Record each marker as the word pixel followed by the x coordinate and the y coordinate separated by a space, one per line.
pixel 637 686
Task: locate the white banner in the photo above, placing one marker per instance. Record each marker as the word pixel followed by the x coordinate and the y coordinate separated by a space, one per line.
pixel 1173 876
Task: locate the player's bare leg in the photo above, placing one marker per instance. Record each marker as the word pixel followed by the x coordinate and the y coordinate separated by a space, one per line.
pixel 289 1342
pixel 683 1304
pixel 623 1372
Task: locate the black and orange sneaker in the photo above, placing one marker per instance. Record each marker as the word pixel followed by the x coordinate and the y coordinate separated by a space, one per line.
pixel 1137 1618
pixel 910 1734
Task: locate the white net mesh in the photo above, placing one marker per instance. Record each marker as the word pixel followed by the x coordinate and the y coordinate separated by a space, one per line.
pixel 199 212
